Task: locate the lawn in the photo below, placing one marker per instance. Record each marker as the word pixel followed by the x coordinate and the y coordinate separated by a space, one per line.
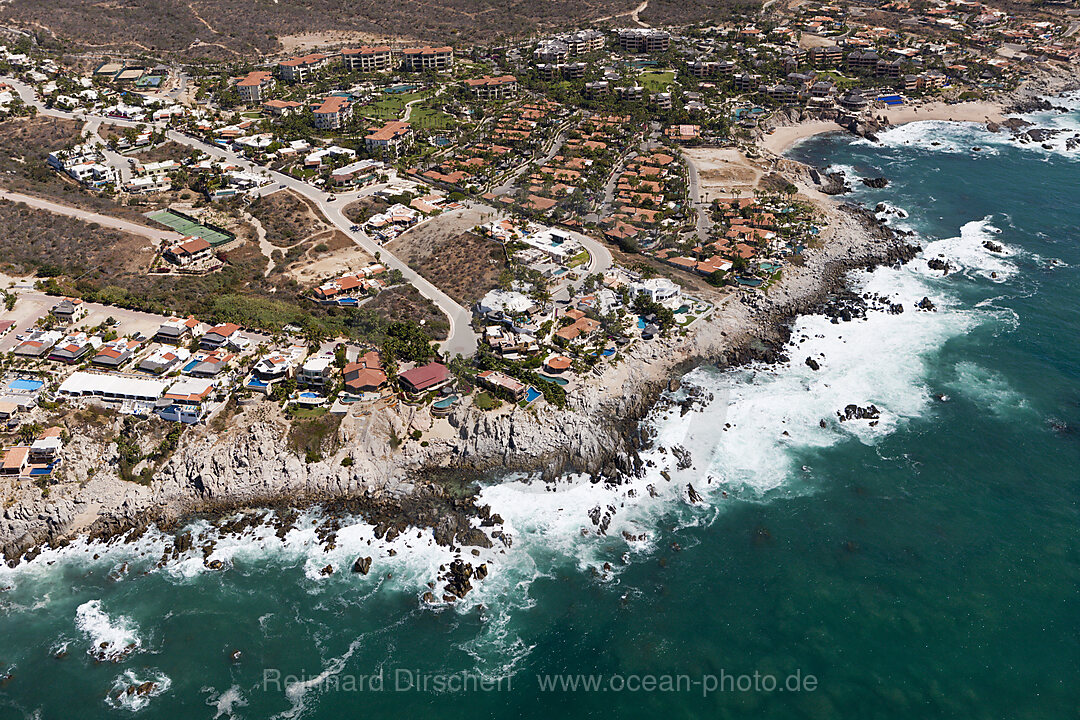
pixel 389 107
pixel 426 116
pixel 656 80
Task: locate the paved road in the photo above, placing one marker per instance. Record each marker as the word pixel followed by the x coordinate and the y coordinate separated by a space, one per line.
pixel 461 340
pixel 91 217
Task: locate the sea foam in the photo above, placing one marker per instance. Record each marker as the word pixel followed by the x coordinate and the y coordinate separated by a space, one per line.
pixel 112 639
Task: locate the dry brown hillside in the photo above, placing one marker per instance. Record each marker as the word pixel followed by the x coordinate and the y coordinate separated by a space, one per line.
pixel 224 28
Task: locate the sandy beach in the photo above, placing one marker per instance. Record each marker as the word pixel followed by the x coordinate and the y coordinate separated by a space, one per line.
pixel 783 138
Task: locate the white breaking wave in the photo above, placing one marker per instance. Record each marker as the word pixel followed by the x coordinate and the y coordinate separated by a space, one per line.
pixel 940 136
pixel 111 639
pixel 133 692
pixel 967 253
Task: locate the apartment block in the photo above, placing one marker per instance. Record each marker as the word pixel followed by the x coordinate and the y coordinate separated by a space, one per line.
pixel 428 58
pixel 368 58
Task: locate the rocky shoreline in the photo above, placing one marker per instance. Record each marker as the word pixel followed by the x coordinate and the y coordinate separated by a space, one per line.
pixel 249 466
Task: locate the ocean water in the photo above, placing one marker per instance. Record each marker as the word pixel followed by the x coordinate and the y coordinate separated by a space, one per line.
pixel 923 566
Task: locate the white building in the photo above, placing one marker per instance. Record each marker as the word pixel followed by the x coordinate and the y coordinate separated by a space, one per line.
pixel 660 290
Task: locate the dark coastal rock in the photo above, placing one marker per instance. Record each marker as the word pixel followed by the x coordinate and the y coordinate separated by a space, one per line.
pixel 936 263
pixel 458 579
pixel 692 495
pixel 835 184
pixel 993 246
pixel 362 565
pixel 474 538
pixel 925 304
pixel 1038 135
pixel 1029 105
pixel 812 363
pixel 683 461
pixel 1015 124
pixel 876 183
pixel 328 570
pixel 854 412
pixel 141 689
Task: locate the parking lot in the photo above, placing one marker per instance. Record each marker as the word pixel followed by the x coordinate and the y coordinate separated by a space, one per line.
pixel 32 306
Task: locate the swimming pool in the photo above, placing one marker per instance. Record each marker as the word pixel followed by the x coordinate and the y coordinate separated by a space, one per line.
pixel 25 384
pixel 444 402
pixel 556 380
pixel 641 323
pixel 531 394
pixel 257 383
pixel 608 352
pixel 191 365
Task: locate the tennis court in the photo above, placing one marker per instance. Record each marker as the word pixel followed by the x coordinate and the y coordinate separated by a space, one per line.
pixel 185 225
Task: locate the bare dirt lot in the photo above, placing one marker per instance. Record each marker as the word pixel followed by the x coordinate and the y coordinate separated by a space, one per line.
pixel 288 218
pixel 444 250
pixel 334 262
pixel 722 170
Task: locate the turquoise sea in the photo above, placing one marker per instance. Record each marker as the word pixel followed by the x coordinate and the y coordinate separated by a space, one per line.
pixel 925 566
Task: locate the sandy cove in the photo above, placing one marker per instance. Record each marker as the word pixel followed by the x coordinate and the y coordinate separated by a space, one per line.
pixel 782 138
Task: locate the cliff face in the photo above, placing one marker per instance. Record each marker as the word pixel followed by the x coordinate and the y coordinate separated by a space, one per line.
pixel 255 460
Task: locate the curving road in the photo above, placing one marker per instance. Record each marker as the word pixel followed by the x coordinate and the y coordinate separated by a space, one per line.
pixel 461 339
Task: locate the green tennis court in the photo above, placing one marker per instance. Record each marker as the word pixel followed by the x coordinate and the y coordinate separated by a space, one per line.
pixel 185 225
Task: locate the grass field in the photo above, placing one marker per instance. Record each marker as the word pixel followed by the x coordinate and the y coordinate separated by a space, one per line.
pixel 388 107
pixel 426 116
pixel 656 80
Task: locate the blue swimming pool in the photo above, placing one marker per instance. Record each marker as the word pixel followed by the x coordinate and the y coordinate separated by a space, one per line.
pixel 191 365
pixel 531 394
pixel 444 402
pixel 608 352
pixel 641 323
pixel 556 380
pixel 25 384
pixel 310 395
pixel 257 383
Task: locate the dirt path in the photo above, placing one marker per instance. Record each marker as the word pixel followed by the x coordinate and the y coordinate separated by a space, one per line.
pixel 91 217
